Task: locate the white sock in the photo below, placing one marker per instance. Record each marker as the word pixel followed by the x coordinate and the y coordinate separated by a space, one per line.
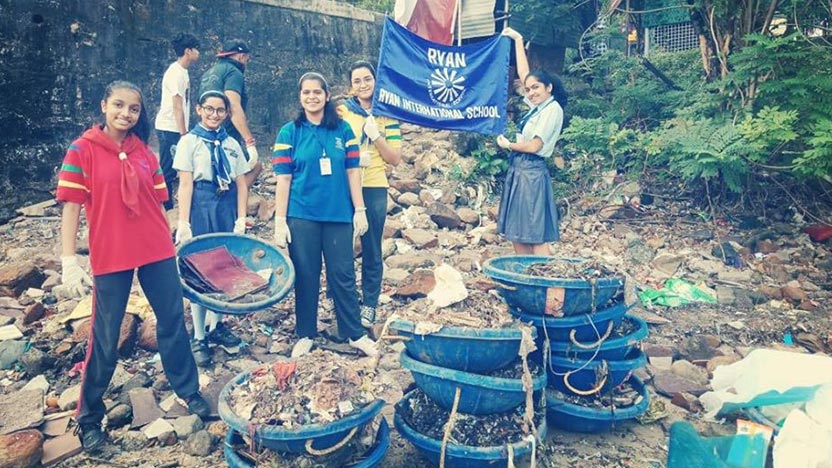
pixel 211 320
pixel 198 316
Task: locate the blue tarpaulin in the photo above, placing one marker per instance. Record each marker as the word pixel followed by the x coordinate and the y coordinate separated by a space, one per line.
pixel 433 85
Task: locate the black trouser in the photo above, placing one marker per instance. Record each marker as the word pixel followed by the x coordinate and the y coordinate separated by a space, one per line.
pixel 309 240
pixel 167 140
pixel 372 265
pixel 160 282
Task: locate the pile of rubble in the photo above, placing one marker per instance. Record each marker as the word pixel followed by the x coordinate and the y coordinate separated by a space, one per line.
pixel 776 295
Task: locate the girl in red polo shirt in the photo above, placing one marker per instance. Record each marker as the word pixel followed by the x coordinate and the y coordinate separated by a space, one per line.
pixel 112 173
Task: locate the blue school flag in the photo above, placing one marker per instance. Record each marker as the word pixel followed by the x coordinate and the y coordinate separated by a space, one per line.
pixel 433 85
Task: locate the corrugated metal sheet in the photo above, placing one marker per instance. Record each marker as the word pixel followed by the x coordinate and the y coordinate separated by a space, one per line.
pixel 478 18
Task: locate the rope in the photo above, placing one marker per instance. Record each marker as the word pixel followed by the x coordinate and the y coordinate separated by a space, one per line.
pixel 526 345
pixel 382 335
pixel 449 427
pixel 327 451
pixel 597 344
pixel 533 440
pixel 583 392
pixel 547 344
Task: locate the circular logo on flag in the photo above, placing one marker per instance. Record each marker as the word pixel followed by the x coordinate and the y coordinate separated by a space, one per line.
pixel 446 87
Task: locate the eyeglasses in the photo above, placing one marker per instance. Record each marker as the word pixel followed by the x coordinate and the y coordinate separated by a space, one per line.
pixel 215 110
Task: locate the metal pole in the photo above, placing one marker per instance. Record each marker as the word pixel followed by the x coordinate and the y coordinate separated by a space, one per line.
pixel 459 22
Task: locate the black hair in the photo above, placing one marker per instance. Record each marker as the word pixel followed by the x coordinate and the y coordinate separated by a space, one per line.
pixel 361 64
pixel 558 91
pixel 142 127
pixel 182 42
pixel 215 94
pixel 330 119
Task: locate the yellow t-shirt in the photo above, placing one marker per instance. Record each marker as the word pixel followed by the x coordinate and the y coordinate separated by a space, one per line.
pixel 374 175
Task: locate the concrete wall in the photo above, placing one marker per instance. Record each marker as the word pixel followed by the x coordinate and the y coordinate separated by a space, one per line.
pixel 56 56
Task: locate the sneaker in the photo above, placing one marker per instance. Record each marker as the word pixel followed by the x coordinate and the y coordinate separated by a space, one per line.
pixel 303 346
pixel 92 437
pixel 365 345
pixel 368 316
pixel 201 352
pixel 222 335
pixel 198 406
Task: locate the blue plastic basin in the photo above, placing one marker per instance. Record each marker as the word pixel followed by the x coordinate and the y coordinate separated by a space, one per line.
pixel 463 348
pixel 322 436
pixel 581 374
pixel 371 459
pixel 479 394
pixel 529 293
pixel 463 456
pixel 575 418
pixel 587 328
pixel 257 255
pixel 613 349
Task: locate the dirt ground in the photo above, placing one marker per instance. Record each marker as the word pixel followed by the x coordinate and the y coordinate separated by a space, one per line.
pixel 780 293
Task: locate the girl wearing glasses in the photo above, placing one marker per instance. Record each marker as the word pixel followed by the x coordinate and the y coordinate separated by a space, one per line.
pixel 212 198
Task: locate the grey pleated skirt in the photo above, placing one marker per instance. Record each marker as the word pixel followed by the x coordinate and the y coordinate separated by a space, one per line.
pixel 528 213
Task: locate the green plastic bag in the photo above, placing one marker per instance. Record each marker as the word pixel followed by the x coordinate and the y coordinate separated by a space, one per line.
pixel 676 292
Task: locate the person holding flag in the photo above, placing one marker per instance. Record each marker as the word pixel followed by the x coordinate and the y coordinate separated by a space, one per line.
pixel 380 141
pixel 528 215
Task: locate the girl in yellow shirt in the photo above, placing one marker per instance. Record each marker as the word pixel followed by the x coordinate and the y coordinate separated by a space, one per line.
pixel 380 140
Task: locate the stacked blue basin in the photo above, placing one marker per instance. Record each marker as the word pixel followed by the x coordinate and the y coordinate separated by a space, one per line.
pixel 594 346
pixel 311 439
pixel 462 358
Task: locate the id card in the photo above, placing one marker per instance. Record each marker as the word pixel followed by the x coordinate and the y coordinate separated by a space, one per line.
pixel 326 166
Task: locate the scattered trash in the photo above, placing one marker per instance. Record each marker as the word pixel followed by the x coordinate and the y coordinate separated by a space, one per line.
pixel 676 292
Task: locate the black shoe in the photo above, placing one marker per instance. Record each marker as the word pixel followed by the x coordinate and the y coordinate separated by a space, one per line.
pixel 198 406
pixel 92 437
pixel 201 352
pixel 223 336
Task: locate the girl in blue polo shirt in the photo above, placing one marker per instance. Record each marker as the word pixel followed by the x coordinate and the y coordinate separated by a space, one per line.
pixel 528 215
pixel 319 206
pixel 212 198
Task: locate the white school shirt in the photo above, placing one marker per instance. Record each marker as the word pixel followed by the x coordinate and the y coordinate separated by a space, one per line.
pixel 546 123
pixel 193 155
pixel 176 82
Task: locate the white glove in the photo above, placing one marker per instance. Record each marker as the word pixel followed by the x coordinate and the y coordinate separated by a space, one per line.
pixel 183 231
pixel 365 158
pixel 359 222
pixel 512 34
pixel 240 226
pixel 73 276
pixel 371 128
pixel 503 142
pixel 282 236
pixel 253 157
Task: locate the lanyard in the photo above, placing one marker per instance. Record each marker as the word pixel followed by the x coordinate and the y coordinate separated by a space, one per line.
pixel 321 142
pixel 525 119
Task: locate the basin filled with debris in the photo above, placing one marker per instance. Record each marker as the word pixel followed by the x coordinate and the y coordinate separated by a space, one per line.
pixel 474 335
pixel 309 405
pixel 582 330
pixel 234 273
pixel 365 452
pixel 616 345
pixel 598 412
pixel 587 376
pixel 495 392
pixel 555 286
pixel 474 441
